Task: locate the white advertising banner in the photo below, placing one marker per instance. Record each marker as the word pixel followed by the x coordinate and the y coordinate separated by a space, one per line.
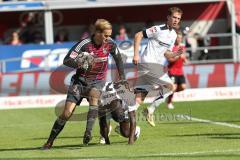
pixel 199 94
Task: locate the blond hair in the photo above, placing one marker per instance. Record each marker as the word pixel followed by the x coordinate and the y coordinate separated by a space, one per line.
pixel 102 24
pixel 174 10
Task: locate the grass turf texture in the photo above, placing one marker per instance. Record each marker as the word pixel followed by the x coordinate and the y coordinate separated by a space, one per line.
pixel 23 131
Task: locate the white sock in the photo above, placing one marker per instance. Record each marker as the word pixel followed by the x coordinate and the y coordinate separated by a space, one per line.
pixel 154 105
pixel 157 102
pixel 133 108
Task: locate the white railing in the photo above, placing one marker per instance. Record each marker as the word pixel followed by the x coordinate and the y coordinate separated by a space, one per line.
pixel 225 43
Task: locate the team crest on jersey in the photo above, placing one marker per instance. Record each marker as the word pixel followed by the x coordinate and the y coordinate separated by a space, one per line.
pixel 105 50
pixel 73 54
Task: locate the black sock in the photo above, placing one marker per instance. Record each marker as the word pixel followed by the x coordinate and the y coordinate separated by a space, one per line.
pixel 91 117
pixel 56 129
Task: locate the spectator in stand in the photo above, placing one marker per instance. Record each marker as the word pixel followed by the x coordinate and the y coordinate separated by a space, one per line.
pixel 3 29
pixel 201 42
pixel 15 39
pixel 122 34
pixel 89 31
pixel 27 28
pixel 62 36
pixel 187 43
pixel 185 35
pixel 37 37
pixel 175 69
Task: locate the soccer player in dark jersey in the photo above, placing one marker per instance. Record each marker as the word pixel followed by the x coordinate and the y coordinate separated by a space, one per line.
pixel 125 119
pixel 175 69
pixel 90 59
pixel 115 101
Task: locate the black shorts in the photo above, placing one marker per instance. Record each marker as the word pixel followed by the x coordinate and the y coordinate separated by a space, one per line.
pixel 79 89
pixel 115 109
pixel 178 79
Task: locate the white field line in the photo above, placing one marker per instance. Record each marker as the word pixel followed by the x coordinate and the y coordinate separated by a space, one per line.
pixel 170 154
pixel 229 151
pixel 212 122
pixel 193 153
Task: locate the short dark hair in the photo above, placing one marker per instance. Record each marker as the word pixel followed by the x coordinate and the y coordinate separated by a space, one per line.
pixel 173 10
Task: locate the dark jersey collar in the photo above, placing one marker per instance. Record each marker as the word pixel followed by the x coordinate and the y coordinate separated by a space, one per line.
pixel 166 26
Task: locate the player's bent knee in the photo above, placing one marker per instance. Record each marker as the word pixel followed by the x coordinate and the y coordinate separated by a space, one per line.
pixel 66 115
pixel 68 110
pixel 175 88
pixel 94 92
pixel 183 87
pixel 171 87
pixel 94 96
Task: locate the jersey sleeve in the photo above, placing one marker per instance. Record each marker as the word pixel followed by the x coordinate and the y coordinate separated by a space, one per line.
pixel 151 32
pixel 118 60
pixel 73 54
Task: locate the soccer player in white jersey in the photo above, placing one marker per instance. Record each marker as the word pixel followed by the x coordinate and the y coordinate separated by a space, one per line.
pixel 153 61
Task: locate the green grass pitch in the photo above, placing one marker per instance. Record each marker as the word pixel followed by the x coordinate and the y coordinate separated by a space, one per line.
pixel 23 132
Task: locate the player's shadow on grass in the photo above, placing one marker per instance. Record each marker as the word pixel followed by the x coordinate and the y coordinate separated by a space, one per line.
pixel 212 135
pixel 75 146
pixel 20 149
pixel 62 137
pixel 67 137
pixel 71 147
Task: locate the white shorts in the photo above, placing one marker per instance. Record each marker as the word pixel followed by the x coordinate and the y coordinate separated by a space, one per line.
pixel 152 76
pixel 154 79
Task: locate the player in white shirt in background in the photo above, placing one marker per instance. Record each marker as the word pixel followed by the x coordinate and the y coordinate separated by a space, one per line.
pixel 153 61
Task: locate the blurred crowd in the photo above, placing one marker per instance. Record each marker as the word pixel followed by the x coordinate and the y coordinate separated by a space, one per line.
pixel 28 32
pixel 25 33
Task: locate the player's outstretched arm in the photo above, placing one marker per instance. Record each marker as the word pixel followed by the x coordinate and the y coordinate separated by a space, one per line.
pixel 137 41
pixel 132 117
pixel 103 127
pixel 171 56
